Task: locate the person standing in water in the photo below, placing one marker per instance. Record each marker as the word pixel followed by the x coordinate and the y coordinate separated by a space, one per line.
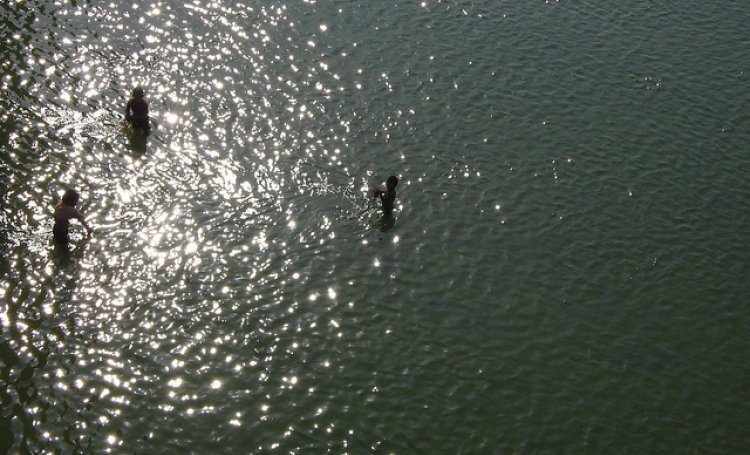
pixel 387 197
pixel 136 111
pixel 64 212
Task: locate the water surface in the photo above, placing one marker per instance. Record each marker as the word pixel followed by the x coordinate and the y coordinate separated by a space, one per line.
pixel 567 271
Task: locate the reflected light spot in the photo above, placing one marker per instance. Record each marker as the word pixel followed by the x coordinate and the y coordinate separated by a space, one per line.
pixel 191 247
pixel 216 384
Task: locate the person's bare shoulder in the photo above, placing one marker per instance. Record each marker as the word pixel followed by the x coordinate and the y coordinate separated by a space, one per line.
pixel 66 211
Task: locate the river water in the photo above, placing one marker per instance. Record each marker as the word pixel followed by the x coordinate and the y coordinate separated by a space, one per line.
pixel 567 271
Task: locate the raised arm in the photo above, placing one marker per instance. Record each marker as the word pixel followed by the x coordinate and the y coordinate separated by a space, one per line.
pixel 80 217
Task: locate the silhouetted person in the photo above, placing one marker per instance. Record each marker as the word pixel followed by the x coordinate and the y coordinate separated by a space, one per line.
pixel 387 197
pixel 64 212
pixel 136 111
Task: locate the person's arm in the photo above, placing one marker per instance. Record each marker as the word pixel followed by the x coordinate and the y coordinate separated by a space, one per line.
pixel 127 111
pixel 80 218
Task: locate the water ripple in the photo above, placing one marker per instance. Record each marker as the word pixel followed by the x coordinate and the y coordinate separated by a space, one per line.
pixel 569 202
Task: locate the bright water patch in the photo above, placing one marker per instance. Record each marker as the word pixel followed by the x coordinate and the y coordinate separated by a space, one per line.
pixel 567 270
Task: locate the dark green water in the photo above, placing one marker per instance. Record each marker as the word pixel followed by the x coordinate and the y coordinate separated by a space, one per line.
pixel 567 272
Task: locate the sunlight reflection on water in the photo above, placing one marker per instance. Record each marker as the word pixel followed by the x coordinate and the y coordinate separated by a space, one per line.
pixel 240 292
pixel 194 229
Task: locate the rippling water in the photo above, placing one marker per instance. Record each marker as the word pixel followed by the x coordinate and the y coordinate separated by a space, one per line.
pixel 567 272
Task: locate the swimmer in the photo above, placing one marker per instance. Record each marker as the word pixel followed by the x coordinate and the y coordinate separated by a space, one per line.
pixel 64 212
pixel 136 111
pixel 387 197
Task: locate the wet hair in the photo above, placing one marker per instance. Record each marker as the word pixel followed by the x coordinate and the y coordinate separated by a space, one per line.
pixel 137 92
pixel 392 182
pixel 70 197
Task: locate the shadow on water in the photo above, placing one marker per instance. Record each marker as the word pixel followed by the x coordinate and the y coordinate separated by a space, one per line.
pixel 66 256
pixel 385 224
pixel 138 137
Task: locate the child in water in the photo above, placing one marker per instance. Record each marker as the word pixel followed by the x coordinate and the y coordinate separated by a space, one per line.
pixel 64 212
pixel 387 197
pixel 136 111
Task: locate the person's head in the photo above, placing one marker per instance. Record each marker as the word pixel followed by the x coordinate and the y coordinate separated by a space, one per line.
pixel 392 182
pixel 70 197
pixel 137 92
